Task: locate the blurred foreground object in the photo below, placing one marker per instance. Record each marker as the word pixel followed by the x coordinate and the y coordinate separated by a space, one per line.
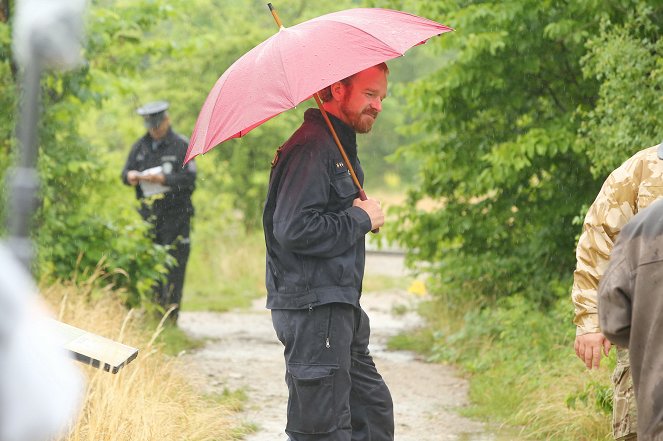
pixel 49 32
pixel 40 387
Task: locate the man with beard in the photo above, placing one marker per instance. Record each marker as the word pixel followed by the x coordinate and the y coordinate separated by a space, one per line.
pixel 314 228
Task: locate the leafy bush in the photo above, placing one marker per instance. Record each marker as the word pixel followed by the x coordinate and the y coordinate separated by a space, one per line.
pixel 626 59
pixel 83 221
pixel 500 154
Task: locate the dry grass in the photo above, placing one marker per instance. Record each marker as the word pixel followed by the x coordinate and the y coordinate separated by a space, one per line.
pixel 149 399
pixel 547 416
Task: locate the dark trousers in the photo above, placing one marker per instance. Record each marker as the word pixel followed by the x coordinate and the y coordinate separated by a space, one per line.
pixel 174 231
pixel 335 391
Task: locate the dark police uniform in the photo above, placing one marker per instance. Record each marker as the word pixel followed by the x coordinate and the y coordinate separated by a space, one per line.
pixel 169 209
pixel 315 268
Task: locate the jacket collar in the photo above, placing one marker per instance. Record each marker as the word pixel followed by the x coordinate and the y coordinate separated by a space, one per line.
pixel 345 133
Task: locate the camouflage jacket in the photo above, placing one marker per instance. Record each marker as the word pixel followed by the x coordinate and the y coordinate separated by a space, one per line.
pixel 630 188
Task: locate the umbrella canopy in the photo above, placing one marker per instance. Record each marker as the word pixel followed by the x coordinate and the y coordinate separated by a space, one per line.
pixel 298 61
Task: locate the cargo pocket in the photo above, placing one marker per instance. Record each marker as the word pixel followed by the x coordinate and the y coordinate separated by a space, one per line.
pixel 311 407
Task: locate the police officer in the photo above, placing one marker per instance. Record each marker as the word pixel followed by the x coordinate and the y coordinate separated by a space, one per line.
pixel 164 187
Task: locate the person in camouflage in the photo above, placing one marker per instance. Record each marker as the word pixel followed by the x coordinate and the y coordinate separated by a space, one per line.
pixel 630 188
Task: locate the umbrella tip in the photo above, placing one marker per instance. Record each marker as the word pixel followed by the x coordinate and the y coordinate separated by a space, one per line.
pixel 275 15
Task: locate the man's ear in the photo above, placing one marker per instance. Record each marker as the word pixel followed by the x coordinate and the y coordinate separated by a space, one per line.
pixel 338 90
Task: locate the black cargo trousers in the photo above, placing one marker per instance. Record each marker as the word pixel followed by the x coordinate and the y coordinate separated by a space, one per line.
pixel 335 391
pixel 173 229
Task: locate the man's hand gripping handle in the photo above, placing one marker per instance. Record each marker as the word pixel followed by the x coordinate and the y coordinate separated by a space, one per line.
pixel 373 208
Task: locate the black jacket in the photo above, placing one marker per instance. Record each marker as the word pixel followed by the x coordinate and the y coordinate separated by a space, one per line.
pixel 169 154
pixel 314 236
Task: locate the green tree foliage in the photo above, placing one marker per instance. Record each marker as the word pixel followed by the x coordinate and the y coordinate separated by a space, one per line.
pixel 502 157
pixel 627 59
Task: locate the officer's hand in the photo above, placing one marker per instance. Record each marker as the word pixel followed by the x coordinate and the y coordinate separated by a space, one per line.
pixel 133 177
pixel 373 208
pixel 588 348
pixel 155 179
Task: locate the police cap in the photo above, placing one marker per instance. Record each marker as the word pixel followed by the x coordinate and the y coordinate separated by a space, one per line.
pixel 153 113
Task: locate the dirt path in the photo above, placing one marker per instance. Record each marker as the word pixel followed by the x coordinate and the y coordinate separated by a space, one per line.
pixel 243 353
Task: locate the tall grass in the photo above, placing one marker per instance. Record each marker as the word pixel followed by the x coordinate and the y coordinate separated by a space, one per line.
pixel 569 405
pixel 149 399
pixel 226 268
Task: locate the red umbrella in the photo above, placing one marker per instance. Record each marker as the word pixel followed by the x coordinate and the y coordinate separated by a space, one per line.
pixel 296 62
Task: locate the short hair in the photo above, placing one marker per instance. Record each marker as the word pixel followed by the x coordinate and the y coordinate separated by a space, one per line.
pixel 326 93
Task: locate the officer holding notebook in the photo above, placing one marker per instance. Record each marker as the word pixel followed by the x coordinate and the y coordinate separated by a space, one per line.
pixel 164 188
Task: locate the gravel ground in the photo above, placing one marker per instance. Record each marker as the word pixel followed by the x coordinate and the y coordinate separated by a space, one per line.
pixel 243 353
